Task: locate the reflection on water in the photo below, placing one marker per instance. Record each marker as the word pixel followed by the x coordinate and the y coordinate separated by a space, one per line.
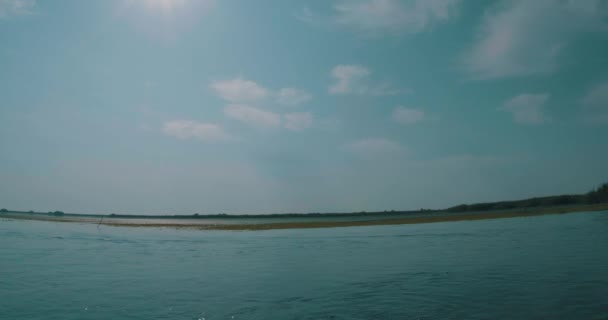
pixel 549 267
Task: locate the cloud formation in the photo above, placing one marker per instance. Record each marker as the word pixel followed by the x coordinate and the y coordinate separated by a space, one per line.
pixel 292 96
pixel 260 118
pixel 239 90
pixel 347 78
pixel 241 93
pixel 297 121
pixel 188 129
pixel 527 108
pixel 393 16
pixel 253 116
pixel 16 7
pixel 352 79
pixel 521 37
pixel 407 116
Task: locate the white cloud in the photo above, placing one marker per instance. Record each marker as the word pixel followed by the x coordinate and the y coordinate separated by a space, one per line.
pixel 522 37
pixel 393 16
pixel 253 116
pixel 406 116
pixel 187 129
pixel 16 7
pixel 374 147
pixel 239 90
pixel 298 121
pixel 292 96
pixel 347 78
pixel 527 108
pixel 352 79
pixel 595 103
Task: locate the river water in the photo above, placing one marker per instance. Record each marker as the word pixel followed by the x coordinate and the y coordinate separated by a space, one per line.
pixel 545 267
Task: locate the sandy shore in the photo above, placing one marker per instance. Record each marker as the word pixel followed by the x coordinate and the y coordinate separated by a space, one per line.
pixel 411 220
pixel 301 223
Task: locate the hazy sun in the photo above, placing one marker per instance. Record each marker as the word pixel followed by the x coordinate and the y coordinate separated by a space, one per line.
pixel 164 6
pixel 163 18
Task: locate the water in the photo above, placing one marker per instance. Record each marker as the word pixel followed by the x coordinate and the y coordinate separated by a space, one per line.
pixel 549 267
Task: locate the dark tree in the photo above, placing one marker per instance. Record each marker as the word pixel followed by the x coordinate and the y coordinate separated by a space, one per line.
pixel 598 195
pixel 459 208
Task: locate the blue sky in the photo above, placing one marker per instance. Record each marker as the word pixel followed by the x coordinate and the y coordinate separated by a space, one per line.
pixel 183 106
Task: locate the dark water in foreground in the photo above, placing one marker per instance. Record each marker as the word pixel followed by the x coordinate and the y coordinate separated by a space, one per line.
pixel 548 267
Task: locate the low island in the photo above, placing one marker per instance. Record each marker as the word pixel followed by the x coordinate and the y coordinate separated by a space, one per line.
pixel 595 200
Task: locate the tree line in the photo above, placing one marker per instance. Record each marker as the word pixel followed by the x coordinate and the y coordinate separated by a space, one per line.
pixel 596 196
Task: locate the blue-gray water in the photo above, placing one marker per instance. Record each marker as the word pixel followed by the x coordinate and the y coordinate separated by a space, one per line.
pixel 549 267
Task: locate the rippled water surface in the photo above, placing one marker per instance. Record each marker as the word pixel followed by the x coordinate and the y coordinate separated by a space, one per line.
pixel 549 267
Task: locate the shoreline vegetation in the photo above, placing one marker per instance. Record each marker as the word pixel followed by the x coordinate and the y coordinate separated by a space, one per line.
pixel 595 200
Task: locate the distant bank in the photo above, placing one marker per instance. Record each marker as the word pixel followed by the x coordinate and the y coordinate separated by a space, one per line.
pixel 269 223
pixel 595 200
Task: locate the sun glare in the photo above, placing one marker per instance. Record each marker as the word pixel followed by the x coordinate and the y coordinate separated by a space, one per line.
pixel 164 6
pixel 163 18
pixel 159 7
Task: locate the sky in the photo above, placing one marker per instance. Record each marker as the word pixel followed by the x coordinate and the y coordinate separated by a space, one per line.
pixel 273 106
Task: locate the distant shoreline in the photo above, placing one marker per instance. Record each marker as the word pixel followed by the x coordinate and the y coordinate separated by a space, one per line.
pixel 301 222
